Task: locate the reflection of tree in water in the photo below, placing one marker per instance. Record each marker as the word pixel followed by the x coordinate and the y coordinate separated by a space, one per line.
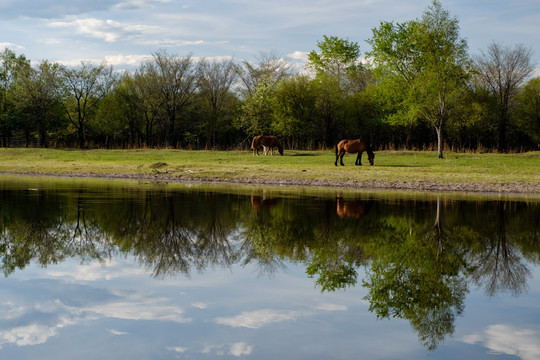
pixel 88 240
pixel 271 233
pixel 334 264
pixel 499 266
pixel 418 261
pixel 414 276
pixel 177 235
pixel 43 231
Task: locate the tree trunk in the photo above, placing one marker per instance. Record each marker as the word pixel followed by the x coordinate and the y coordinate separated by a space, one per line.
pixel 438 129
pixel 502 131
pixel 172 135
pixel 81 137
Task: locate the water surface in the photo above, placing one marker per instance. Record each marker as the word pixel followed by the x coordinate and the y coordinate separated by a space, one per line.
pixel 162 272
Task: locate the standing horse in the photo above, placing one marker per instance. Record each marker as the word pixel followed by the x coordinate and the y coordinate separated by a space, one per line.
pixel 353 146
pixel 267 142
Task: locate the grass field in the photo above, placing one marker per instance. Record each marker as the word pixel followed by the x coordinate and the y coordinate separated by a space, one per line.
pixel 295 167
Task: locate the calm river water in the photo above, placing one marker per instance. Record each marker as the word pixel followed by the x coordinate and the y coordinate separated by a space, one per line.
pixel 141 271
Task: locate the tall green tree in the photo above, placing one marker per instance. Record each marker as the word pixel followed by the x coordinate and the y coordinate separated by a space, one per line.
pixel 11 67
pixel 336 58
pixel 257 113
pixel 120 117
pixel 337 67
pixel 295 109
pixel 39 96
pixel 528 109
pixel 426 63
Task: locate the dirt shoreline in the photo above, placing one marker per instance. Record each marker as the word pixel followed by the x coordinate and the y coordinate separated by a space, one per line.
pixel 421 186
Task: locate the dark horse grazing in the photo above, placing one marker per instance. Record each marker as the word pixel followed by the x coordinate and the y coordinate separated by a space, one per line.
pixel 353 146
pixel 267 142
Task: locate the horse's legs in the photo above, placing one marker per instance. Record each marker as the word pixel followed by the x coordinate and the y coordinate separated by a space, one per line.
pixel 359 159
pixel 341 159
pixel 337 157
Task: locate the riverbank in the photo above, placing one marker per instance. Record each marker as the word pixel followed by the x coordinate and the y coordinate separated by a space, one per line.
pixel 401 171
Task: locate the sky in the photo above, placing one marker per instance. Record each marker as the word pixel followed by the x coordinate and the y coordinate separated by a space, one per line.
pixel 126 32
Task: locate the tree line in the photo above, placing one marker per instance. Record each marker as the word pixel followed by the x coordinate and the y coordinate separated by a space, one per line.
pixel 418 88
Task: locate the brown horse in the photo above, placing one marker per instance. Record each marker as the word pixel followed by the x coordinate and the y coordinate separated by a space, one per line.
pixel 353 208
pixel 353 146
pixel 267 142
pixel 260 202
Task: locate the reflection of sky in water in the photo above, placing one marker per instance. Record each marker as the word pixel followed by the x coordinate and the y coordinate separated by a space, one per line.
pixel 120 311
pixel 504 324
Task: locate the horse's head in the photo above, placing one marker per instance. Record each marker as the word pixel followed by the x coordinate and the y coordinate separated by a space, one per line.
pixel 280 149
pixel 371 156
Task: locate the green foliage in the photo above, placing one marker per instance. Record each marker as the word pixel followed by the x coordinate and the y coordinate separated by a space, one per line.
pixel 332 277
pixel 427 62
pixel 295 109
pixel 37 92
pixel 258 109
pixel 336 57
pixel 528 110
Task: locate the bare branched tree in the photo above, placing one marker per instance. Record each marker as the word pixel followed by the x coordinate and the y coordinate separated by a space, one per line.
pixel 269 66
pixel 86 86
pixel 176 78
pixel 502 69
pixel 216 79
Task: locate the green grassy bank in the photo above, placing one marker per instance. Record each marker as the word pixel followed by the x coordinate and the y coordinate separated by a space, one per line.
pixel 294 168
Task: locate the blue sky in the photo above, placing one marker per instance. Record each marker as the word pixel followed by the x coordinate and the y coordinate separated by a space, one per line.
pixel 125 32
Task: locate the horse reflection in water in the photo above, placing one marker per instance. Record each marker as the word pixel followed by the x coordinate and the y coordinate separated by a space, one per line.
pixel 261 203
pixel 357 146
pixel 352 208
pixel 267 142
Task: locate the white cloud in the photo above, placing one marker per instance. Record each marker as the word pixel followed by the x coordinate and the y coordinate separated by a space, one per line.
pixel 509 340
pixel 108 30
pixel 131 60
pixel 127 307
pixel 11 310
pixel 240 349
pixel 144 309
pixel 4 45
pixel 177 349
pixel 299 55
pixel 95 271
pixel 172 42
pixel 199 305
pixel 32 334
pixel 257 319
